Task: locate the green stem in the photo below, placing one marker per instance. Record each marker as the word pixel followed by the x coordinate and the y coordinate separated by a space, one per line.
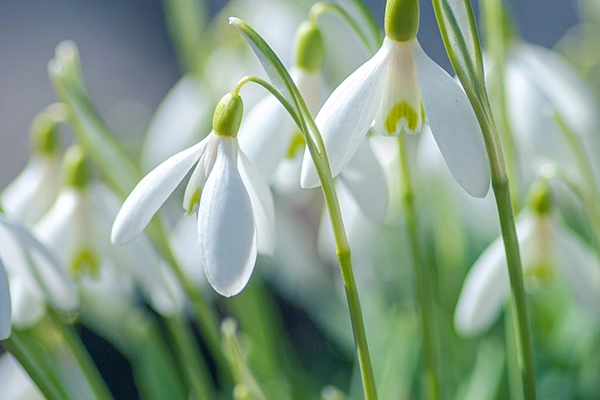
pixel 41 378
pixel 196 373
pixel 85 362
pixel 422 279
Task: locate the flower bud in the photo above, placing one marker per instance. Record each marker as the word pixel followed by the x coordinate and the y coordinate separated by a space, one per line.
pixel 75 168
pixel 310 47
pixel 539 198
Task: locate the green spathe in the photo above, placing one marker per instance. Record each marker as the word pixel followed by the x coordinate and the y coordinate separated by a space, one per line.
pixel 310 47
pixel 228 115
pixel 75 166
pixel 401 19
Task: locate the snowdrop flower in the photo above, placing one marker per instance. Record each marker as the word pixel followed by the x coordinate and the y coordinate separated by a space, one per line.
pixel 399 89
pixel 32 193
pixel 5 304
pixel 272 141
pixel 35 277
pixel 547 248
pixel 539 82
pixel 233 203
pixel 77 229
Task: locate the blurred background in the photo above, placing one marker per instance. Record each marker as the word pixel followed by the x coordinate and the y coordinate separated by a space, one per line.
pixel 129 63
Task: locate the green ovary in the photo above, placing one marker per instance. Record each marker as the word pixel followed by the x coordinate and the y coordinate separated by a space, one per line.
pixel 401 110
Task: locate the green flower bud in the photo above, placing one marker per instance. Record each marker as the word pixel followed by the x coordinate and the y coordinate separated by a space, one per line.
pixel 539 197
pixel 228 115
pixel 310 47
pixel 75 168
pixel 401 19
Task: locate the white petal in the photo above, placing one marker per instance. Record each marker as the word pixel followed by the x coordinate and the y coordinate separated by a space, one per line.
pixel 15 382
pixel 453 124
pixel 151 192
pixel 580 268
pixel 347 115
pixel 193 189
pixel 365 179
pixel 28 305
pixel 400 108
pixel 265 135
pixel 483 292
pixel 262 204
pixel 32 193
pixel 487 284
pixel 226 229
pixel 177 123
pixel 5 305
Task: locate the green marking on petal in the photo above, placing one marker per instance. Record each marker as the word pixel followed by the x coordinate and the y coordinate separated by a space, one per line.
pixel 194 200
pixel 401 110
pixel 296 144
pixel 84 263
pixel 538 274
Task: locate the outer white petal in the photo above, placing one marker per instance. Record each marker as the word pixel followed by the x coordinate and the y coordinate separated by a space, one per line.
pixel 365 179
pixel 5 305
pixel 265 135
pixel 177 123
pixel 151 192
pixel 262 204
pixel 226 229
pixel 15 383
pixel 580 268
pixel 347 115
pixel 32 193
pixel 483 292
pixel 453 124
pixel 487 284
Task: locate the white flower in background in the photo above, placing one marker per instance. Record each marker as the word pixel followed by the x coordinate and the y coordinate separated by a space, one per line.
pixel 272 141
pixel 15 383
pixel 77 230
pixel 233 203
pixel 32 193
pixel 35 277
pixel 539 82
pixel 177 123
pixel 546 248
pixel 5 304
pixel 399 89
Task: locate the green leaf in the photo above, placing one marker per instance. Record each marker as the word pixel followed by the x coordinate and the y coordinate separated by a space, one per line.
pixel 459 32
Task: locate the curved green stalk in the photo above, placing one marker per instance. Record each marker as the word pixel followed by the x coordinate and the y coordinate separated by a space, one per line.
pixel 196 372
pixel 41 377
pixel 466 61
pixel 432 387
pixel 83 358
pixel 282 80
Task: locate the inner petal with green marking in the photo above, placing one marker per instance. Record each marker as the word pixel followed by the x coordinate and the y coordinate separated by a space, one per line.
pixel 83 263
pixel 400 109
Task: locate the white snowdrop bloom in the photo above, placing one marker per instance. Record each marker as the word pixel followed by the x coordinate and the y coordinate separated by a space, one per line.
pixel 546 248
pixel 35 277
pixel 5 304
pixel 15 383
pixel 540 82
pixel 273 142
pixel 177 123
pixel 233 203
pixel 77 230
pixel 32 193
pixel 398 90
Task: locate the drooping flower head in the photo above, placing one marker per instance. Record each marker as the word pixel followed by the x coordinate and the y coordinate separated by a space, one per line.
pixel 548 248
pixel 398 90
pixel 233 203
